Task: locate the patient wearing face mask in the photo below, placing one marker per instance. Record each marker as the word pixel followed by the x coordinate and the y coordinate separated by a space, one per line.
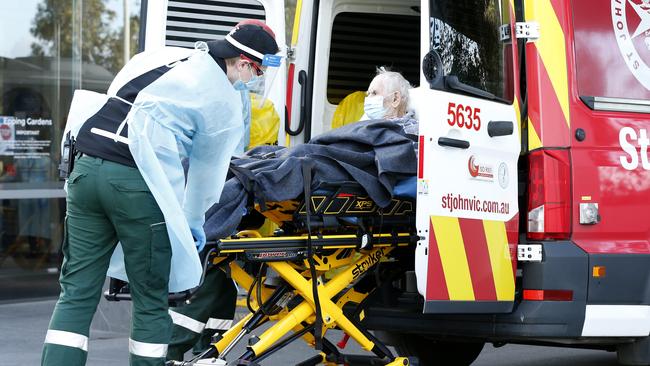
pixel 387 98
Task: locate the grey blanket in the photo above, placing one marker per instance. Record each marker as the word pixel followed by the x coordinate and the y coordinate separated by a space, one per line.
pixel 375 154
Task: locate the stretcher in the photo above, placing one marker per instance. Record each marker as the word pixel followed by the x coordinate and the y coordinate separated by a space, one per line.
pixel 333 249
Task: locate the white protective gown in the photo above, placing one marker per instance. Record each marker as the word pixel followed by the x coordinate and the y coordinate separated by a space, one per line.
pixel 191 111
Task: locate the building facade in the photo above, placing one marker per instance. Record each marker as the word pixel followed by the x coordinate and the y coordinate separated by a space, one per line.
pixel 48 49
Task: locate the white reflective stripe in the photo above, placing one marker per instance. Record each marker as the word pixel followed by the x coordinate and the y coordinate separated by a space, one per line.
pixel 110 135
pixel 244 48
pixel 186 322
pixel 616 321
pixel 154 350
pixel 69 339
pixel 218 324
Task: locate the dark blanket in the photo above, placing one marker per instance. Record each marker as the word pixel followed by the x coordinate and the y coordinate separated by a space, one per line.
pixel 375 154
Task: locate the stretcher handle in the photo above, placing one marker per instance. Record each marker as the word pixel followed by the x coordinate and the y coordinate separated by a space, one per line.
pixel 173 297
pixel 116 292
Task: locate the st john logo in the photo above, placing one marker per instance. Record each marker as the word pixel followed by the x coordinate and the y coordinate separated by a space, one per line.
pixel 631 22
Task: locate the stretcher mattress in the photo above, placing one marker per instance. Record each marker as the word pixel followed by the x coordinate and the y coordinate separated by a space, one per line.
pixel 376 155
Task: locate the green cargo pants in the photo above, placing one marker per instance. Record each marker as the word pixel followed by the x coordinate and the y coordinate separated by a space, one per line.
pixel 106 203
pixel 210 311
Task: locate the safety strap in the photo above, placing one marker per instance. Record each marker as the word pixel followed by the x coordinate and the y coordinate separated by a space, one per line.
pixel 245 177
pixel 248 180
pixel 307 166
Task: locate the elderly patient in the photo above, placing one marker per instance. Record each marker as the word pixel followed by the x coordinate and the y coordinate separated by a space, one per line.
pixel 387 97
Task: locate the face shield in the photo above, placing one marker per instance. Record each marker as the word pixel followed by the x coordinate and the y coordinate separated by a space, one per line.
pixel 263 86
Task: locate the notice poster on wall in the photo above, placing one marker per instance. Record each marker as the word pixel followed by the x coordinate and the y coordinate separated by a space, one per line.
pixel 25 138
pixel 6 137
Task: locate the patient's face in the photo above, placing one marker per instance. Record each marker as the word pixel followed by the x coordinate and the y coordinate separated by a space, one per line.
pixel 377 88
pixel 391 104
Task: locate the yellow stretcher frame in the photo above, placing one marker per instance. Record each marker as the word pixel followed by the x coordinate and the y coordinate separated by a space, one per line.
pixel 348 270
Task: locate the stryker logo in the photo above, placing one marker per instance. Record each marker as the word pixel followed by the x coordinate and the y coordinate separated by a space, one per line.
pixel 361 268
pixel 626 138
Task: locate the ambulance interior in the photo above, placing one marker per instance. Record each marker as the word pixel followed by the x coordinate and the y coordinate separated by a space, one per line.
pixel 356 38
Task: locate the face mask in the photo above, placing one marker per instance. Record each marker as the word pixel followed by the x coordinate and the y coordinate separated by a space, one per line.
pixel 374 107
pixel 239 85
pixel 256 83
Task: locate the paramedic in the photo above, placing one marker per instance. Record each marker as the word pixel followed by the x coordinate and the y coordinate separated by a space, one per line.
pixel 128 185
pixel 211 309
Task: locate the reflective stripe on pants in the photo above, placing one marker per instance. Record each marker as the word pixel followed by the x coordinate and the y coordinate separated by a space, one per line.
pixel 143 349
pixel 186 322
pixel 216 299
pixel 68 339
pixel 218 324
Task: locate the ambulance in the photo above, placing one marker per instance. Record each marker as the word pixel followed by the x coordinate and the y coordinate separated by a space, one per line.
pixel 533 187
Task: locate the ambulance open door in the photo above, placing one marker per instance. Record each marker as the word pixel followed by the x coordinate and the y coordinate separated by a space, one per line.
pixel 181 23
pixel 469 143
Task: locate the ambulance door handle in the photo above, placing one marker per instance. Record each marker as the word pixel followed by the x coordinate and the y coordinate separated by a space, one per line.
pixel 302 80
pixel 500 128
pixel 449 142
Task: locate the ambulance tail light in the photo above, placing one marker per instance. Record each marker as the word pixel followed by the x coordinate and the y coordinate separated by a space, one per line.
pixel 549 195
pixel 548 295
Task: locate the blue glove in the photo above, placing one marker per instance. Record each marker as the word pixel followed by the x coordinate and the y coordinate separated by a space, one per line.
pixel 199 238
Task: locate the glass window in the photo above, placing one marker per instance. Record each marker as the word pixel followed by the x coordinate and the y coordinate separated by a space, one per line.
pixel 466 35
pixel 48 48
pixel 612 48
pixel 289 19
pixel 361 42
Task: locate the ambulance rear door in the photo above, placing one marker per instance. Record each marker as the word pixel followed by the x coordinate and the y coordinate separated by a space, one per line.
pixel 181 23
pixel 468 149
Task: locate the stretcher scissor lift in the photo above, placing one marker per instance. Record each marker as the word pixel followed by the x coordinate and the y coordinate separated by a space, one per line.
pixel 341 238
pixel 291 302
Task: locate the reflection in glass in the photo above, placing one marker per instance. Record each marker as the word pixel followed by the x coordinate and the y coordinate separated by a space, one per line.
pixel 48 48
pixel 466 34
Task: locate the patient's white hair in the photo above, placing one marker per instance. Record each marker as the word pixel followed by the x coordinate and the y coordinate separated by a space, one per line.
pixel 394 81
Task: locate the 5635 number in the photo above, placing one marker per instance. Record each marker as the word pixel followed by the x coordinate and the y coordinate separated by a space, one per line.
pixel 464 116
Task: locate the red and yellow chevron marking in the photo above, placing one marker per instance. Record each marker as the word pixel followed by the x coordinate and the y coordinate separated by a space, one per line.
pixel 470 260
pixel 548 83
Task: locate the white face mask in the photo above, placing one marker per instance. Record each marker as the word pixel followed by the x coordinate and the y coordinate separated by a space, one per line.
pixel 374 107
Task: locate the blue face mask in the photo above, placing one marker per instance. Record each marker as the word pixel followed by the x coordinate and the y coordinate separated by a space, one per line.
pixel 239 85
pixel 374 107
pixel 256 84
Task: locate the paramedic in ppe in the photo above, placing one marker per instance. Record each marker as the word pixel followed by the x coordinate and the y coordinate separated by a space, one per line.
pixel 128 185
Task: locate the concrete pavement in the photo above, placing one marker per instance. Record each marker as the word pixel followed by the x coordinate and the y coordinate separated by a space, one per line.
pixel 23 327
